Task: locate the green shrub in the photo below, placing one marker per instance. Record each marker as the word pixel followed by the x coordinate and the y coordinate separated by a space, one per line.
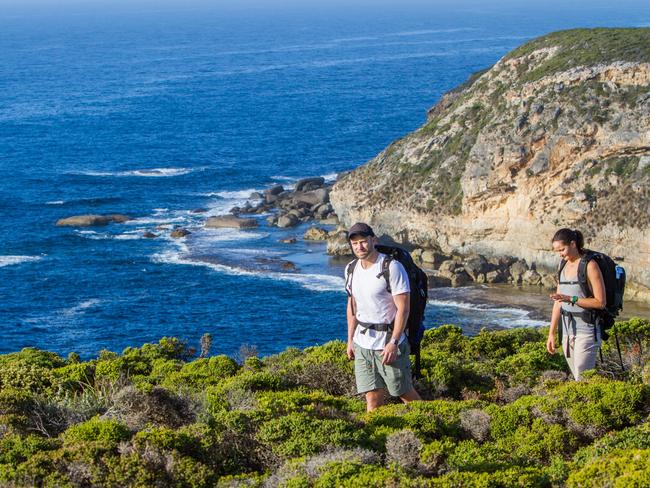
pixel 429 420
pixel 526 365
pixel 25 376
pixel 469 455
pixel 603 404
pixel 110 432
pixel 15 449
pixel 618 468
pixel 502 343
pixel 323 367
pixel 219 397
pixel 73 377
pixel 352 474
pixel 637 437
pixel 299 434
pixel 448 338
pixel 274 404
pixel 505 478
pixel 202 372
pixel 507 419
pixel 16 409
pixel 538 443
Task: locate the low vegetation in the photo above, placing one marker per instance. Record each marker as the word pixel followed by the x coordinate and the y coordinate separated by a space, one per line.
pixel 498 411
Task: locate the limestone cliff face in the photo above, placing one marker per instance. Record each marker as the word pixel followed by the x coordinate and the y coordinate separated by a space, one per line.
pixel 556 134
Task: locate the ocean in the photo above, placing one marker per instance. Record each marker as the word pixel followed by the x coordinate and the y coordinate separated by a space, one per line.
pixel 155 112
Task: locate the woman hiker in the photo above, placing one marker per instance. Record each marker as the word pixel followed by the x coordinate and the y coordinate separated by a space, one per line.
pixel 580 340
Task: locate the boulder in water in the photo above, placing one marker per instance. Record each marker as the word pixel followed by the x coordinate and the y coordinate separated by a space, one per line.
pixel 230 221
pixel 92 220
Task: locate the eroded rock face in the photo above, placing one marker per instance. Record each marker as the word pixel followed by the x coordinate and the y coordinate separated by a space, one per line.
pixel 546 138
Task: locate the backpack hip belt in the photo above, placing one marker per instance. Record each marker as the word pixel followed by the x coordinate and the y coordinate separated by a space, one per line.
pixel 588 316
pixel 378 327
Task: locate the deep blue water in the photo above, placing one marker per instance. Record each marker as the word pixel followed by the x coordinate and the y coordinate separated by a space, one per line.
pixel 156 112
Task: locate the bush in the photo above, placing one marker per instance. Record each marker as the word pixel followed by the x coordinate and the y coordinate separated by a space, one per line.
pixel 447 338
pixel 637 437
pixel 599 405
pixel 325 368
pixel 351 474
pixel 15 449
pixel 16 409
pixel 619 468
pixel 403 448
pixel 109 432
pixel 275 404
pixel 73 377
pixel 539 443
pixel 526 365
pixel 159 407
pixel 299 434
pixel 304 472
pixel 202 372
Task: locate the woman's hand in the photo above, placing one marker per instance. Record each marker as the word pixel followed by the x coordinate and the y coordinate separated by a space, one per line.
pixel 558 297
pixel 550 344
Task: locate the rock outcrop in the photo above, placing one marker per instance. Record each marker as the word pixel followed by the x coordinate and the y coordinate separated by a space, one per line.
pixel 555 134
pixel 230 221
pixel 92 220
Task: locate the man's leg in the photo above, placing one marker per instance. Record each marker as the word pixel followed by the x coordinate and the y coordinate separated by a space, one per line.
pixel 375 398
pixel 410 396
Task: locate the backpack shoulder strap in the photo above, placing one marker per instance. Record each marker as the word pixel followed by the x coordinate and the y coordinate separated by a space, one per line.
pixel 559 269
pixel 385 271
pixel 349 271
pixel 582 273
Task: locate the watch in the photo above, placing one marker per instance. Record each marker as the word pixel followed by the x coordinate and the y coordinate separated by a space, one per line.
pixel 394 342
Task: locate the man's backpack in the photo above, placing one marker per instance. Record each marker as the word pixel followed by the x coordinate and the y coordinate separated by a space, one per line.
pixel 614 279
pixel 419 285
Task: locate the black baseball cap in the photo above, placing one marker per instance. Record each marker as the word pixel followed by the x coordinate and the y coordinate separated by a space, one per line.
pixel 360 229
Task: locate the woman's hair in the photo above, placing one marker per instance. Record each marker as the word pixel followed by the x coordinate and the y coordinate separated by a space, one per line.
pixel 568 235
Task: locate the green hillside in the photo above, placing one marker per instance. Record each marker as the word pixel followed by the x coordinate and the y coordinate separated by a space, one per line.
pixel 499 411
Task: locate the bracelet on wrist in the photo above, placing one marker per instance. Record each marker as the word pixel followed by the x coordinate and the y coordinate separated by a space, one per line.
pixel 574 300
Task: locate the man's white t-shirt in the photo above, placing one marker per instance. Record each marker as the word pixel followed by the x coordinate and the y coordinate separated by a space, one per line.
pixel 374 304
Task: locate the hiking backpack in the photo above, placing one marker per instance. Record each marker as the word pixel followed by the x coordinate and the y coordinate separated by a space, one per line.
pixel 419 285
pixel 614 280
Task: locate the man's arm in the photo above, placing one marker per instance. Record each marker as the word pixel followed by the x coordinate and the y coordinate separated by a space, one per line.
pixel 403 304
pixel 352 325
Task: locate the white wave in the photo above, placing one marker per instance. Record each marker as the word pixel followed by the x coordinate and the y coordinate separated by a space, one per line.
pixel 229 235
pixel 11 260
pixel 154 220
pixel 55 202
pixel 314 282
pixel 80 307
pixel 148 172
pixel 330 177
pixel 106 236
pixel 235 195
pixel 128 237
pixel 287 179
pixel 508 316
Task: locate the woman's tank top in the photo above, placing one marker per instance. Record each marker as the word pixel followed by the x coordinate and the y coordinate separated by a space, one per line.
pixel 573 325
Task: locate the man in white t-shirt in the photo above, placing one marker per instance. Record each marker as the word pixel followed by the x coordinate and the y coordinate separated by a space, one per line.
pixel 376 321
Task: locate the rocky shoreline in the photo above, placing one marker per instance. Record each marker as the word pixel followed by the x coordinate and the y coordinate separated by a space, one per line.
pixel 309 203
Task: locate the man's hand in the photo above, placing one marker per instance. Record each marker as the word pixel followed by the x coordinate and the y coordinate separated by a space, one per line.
pixel 550 344
pixel 389 354
pixel 350 350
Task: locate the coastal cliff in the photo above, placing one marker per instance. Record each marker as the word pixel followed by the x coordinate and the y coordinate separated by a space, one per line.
pixel 555 134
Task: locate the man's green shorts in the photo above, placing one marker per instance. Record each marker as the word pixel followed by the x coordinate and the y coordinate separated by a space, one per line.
pixel 371 374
